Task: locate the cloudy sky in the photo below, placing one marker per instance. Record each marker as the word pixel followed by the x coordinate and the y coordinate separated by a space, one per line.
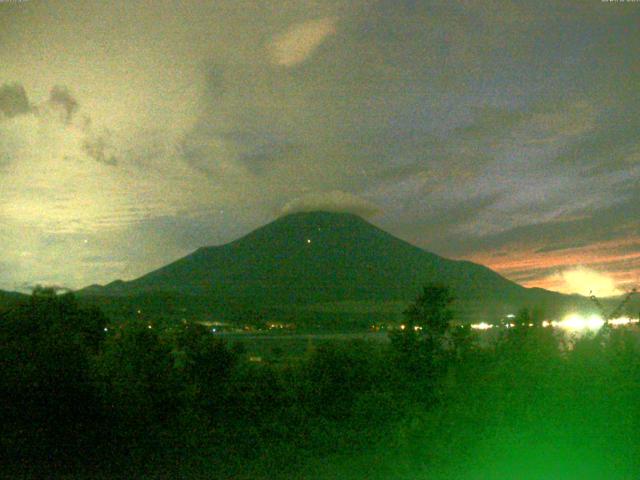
pixel 503 132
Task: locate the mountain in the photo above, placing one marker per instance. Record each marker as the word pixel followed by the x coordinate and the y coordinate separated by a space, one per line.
pixel 321 262
pixel 9 300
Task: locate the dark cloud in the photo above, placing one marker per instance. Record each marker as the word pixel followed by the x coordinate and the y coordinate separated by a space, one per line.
pixel 335 201
pixel 561 246
pixel 266 157
pixel 60 96
pixel 14 100
pixel 433 219
pixel 99 149
pixel 532 274
pixel 623 265
pixel 630 248
pixel 592 227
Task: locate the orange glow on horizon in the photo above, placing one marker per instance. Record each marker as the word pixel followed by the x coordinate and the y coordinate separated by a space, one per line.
pixel 527 266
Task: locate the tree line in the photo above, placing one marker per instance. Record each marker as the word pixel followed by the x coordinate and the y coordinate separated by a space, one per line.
pixel 83 395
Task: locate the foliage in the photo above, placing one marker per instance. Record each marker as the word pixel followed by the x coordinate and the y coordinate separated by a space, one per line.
pixel 421 344
pixel 431 310
pixel 175 401
pixel 46 395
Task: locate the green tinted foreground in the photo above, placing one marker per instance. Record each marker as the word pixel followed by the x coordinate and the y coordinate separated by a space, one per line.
pixel 153 401
pixel 534 407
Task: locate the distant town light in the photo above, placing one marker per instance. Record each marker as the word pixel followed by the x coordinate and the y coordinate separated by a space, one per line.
pixel 573 323
pixel 481 326
pixel 594 322
pixel 576 322
pixel 616 322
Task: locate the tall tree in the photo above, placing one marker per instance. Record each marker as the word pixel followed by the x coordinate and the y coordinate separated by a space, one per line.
pixel 421 342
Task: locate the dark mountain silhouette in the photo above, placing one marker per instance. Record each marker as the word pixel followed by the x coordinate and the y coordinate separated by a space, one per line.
pixel 324 261
pixel 9 300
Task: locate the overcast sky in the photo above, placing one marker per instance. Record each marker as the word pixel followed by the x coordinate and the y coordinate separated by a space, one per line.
pixel 507 133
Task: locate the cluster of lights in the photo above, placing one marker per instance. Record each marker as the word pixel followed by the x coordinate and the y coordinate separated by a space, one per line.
pixel 416 328
pixel 616 322
pixel 573 322
pixel 481 326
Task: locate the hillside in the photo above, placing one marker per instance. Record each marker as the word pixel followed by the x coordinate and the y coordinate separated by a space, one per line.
pixel 9 300
pixel 305 261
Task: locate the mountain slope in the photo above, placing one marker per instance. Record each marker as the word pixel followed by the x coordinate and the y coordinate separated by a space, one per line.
pixel 9 300
pixel 319 257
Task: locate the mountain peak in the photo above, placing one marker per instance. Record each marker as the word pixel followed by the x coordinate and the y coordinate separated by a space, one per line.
pixel 293 228
pixel 322 257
